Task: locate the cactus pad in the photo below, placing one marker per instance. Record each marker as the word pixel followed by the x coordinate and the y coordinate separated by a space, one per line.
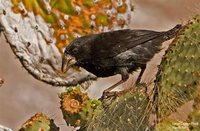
pixel 129 112
pixel 39 122
pixel 179 75
pixel 39 30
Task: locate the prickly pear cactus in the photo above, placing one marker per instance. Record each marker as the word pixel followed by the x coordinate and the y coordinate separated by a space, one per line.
pixel 39 30
pixel 179 75
pixel 39 122
pixel 77 108
pixel 129 112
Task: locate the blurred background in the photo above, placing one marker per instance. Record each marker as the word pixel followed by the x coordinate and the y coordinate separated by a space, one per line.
pixel 21 96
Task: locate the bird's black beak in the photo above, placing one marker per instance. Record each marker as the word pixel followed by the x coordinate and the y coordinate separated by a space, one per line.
pixel 67 62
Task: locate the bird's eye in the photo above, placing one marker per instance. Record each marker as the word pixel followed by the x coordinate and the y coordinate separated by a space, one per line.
pixel 75 50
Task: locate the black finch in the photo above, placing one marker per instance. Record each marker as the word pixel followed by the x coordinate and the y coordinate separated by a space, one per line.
pixel 117 52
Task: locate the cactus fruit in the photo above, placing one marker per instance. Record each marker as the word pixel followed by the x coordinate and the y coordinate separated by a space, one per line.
pixel 77 108
pixel 39 122
pixel 179 75
pixel 127 112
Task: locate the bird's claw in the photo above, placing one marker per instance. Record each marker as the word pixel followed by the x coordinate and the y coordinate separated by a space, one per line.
pixel 107 94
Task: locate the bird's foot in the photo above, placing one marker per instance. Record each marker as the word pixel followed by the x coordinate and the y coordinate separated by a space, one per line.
pixel 141 84
pixel 113 94
pixel 108 94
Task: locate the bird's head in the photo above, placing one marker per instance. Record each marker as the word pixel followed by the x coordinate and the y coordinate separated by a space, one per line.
pixel 75 52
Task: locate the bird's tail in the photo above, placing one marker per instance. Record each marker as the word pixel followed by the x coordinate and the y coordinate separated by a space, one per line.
pixel 171 33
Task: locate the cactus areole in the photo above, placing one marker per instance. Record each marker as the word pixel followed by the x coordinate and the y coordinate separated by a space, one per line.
pixel 39 30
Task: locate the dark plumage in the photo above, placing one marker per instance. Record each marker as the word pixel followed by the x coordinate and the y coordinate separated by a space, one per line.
pixel 116 52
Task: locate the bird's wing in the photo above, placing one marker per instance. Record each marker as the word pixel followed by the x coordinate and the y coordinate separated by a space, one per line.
pixel 138 55
pixel 110 44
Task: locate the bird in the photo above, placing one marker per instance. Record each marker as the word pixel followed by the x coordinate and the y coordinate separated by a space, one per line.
pixel 116 52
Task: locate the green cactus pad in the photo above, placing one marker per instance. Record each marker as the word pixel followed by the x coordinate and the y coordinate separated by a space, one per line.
pixel 39 122
pixel 77 108
pixel 179 77
pixel 129 112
